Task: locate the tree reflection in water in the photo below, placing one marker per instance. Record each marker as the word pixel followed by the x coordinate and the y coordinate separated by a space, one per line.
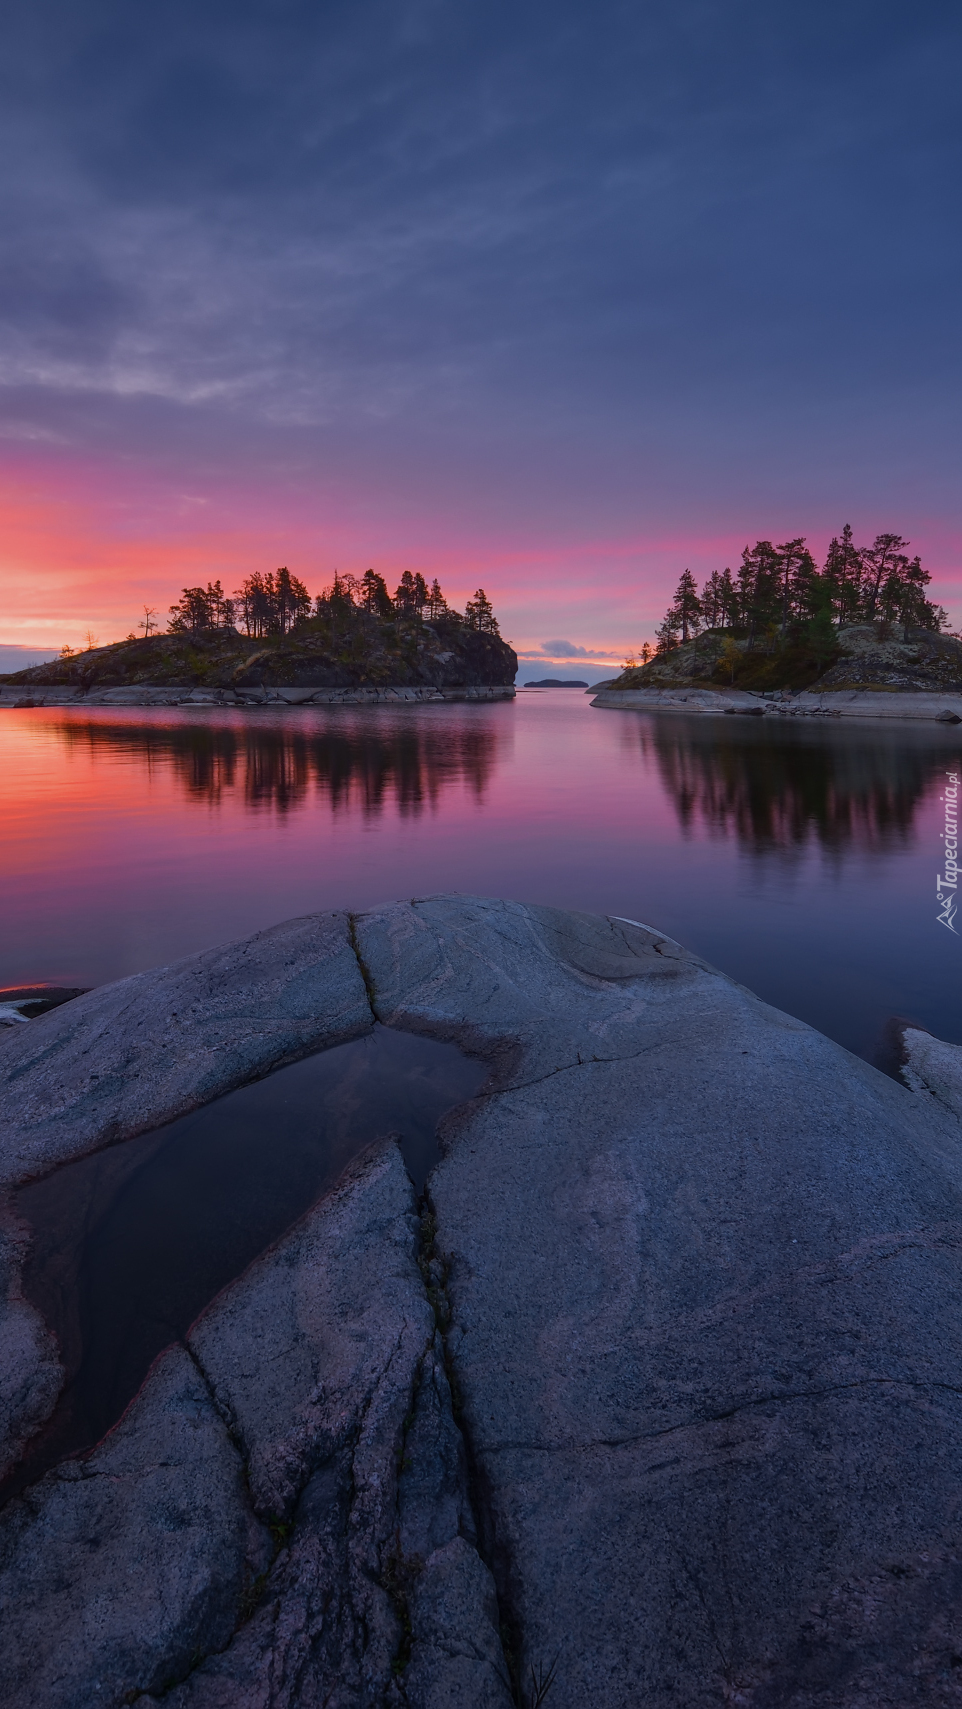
pixel 353 761
pixel 777 786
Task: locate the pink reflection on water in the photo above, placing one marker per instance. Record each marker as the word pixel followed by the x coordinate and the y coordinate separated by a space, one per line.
pixel 796 859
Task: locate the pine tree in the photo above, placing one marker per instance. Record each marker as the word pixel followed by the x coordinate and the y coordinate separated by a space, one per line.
pixel 792 555
pixel 758 588
pixel 729 600
pixel 843 572
pixel 686 606
pixel 479 614
pixel 292 602
pixel 437 605
pixel 374 595
pixel 712 601
pixel 883 559
pixel 902 596
pixel 200 608
pixel 405 596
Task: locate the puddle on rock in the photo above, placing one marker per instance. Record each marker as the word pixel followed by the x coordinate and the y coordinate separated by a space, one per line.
pixel 132 1243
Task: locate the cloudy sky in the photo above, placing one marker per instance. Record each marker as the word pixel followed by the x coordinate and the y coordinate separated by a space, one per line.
pixel 555 298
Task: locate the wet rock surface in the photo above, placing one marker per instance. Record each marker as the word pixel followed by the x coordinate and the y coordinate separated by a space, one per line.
pixel 660 1386
pixel 129 1056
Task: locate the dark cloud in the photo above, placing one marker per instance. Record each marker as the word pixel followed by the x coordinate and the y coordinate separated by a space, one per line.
pixel 687 231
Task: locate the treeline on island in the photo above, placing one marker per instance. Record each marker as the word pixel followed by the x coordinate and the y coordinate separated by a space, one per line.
pixel 272 631
pixel 277 603
pixel 861 619
pixel 778 588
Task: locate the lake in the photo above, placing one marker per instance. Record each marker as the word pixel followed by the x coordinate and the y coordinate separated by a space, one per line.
pixel 799 857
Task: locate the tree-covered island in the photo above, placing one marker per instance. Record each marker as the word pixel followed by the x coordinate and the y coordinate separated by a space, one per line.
pixel 355 634
pixel 862 620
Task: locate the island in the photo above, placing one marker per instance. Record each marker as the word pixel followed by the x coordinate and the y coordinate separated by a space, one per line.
pixel 856 638
pixel 912 674
pixel 353 642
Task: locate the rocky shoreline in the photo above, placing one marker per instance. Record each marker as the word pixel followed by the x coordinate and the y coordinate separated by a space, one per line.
pixel 141 694
pixel 654 1391
pixel 926 705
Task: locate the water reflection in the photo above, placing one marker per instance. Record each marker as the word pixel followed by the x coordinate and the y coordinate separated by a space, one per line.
pixel 776 787
pixel 351 761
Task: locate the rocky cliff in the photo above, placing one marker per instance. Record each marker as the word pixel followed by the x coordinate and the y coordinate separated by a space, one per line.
pixel 863 655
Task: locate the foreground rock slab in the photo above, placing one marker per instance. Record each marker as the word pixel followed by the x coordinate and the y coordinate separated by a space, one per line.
pixel 117 1570
pixel 130 1056
pixel 705 1291
pixel 659 1388
pixel 282 1517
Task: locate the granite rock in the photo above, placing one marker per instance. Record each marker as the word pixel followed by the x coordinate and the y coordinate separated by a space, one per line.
pixel 129 1056
pixel 117 1571
pixel 706 1321
pixel 933 1069
pixel 658 1388
pixel 325 1359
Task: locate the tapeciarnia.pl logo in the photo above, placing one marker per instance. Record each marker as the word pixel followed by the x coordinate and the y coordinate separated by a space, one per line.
pixel 950 836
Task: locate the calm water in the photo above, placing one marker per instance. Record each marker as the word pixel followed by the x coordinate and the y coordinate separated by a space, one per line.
pixel 131 1243
pixel 799 858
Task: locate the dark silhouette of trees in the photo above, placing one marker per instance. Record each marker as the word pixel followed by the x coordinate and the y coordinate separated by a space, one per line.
pixel 479 614
pixel 201 608
pixel 666 635
pixel 406 596
pixel 411 595
pixel 375 598
pixel 684 615
pixel 712 602
pixel 437 605
pixel 843 577
pixel 796 568
pixel 687 606
pixel 292 602
pixel 278 602
pixel 881 563
pixel 780 593
pixel 272 604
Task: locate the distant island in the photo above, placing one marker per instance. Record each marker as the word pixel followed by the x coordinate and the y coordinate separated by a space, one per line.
pixel 355 634
pixel 554 682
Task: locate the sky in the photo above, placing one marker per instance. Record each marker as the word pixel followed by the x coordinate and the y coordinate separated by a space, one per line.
pixel 555 299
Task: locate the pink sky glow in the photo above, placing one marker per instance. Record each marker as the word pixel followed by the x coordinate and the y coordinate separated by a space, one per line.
pixel 86 545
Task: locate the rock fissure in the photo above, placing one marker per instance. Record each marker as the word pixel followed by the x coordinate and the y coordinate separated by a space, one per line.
pixel 565 1068
pixel 604 1442
pixel 362 966
pixel 434 1272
